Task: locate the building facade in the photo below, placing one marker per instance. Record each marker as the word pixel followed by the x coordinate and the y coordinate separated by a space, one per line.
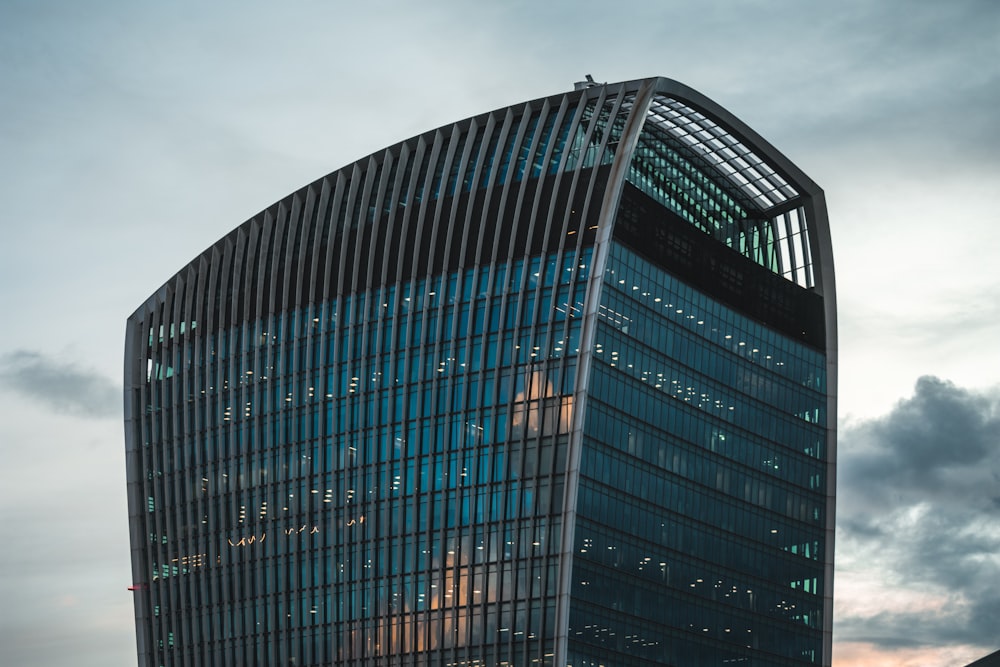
pixel 553 385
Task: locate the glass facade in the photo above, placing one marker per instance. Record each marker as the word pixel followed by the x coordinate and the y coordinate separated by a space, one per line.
pixel 701 506
pixel 486 398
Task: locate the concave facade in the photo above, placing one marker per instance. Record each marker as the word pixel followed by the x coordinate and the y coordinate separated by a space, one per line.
pixel 553 385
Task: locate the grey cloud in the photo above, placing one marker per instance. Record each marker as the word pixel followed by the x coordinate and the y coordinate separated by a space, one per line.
pixel 897 81
pixel 925 446
pixel 66 387
pixel 918 491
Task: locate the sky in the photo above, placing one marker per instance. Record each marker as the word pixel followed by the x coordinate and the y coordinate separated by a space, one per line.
pixel 134 135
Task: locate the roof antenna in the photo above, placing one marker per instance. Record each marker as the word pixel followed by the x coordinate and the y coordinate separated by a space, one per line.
pixel 589 83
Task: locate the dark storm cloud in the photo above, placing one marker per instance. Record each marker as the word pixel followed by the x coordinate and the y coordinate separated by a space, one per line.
pixel 67 388
pixel 920 490
pixel 943 444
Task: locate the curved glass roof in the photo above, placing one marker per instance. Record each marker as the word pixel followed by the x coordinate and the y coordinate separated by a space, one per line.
pixel 708 176
pixel 744 168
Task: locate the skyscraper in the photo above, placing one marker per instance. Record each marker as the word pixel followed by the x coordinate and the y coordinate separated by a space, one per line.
pixel 553 385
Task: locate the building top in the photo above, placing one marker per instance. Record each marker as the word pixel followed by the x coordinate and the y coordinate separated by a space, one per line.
pixel 991 660
pixel 678 146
